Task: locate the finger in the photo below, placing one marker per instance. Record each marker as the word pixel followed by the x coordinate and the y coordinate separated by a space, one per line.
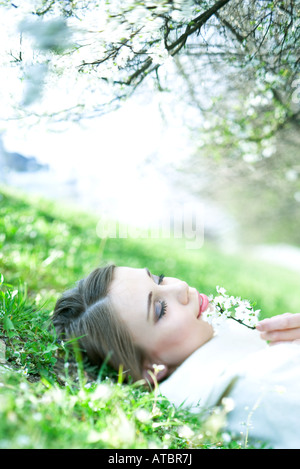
pixel 277 343
pixel 273 323
pixel 281 335
pixel 297 342
pixel 282 321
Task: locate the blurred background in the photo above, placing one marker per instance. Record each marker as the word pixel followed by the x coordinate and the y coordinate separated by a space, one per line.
pixel 134 109
pixel 137 114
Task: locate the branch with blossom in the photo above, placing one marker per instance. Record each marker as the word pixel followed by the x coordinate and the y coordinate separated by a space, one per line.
pixel 225 307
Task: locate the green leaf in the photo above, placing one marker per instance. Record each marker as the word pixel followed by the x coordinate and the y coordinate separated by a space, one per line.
pixel 8 324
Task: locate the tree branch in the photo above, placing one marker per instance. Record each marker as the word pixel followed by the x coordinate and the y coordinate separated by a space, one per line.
pixel 229 26
pixel 194 26
pixel 175 47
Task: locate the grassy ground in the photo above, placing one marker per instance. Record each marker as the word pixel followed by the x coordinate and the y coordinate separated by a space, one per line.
pixel 45 248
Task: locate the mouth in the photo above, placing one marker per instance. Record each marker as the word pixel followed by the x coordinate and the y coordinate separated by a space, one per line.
pixel 203 303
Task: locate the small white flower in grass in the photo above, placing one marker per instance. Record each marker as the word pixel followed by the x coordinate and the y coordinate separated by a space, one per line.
pixel 143 415
pixel 94 436
pixel 185 432
pixel 228 404
pixel 37 416
pixel 124 428
pixel 158 368
pixel 102 392
pixel 24 387
pixel 226 437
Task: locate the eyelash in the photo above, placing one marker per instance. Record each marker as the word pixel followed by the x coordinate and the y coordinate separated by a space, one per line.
pixel 163 309
pixel 163 303
pixel 160 279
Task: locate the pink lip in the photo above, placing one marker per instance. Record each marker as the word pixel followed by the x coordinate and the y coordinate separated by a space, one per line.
pixel 203 302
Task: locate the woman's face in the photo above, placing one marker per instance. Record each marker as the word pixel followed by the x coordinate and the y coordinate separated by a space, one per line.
pixel 163 315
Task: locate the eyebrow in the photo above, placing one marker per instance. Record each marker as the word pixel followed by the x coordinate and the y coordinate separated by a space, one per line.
pixel 149 305
pixel 149 296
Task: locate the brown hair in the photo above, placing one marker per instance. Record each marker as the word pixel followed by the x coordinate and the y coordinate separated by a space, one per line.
pixel 85 312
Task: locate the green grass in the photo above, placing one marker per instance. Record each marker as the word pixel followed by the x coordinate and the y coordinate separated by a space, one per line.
pixel 50 400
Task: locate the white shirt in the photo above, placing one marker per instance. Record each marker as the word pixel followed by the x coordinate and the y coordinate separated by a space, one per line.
pixel 262 381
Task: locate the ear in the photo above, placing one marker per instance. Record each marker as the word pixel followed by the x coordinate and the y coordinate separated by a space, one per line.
pixel 153 372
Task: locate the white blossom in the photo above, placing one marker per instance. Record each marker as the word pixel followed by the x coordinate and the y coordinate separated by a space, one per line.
pixel 158 53
pixel 223 307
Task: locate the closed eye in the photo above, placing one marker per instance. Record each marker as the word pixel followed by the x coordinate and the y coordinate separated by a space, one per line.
pixel 157 279
pixel 160 306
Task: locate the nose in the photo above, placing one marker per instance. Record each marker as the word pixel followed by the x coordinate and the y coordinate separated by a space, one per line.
pixel 177 289
pixel 182 292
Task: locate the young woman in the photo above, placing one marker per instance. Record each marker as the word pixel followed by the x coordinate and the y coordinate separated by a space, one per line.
pixel 153 327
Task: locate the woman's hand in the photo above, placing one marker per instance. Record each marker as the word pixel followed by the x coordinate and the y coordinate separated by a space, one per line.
pixel 281 328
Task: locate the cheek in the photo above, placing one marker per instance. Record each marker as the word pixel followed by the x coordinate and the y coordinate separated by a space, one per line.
pixel 187 336
pixel 179 334
pixel 177 347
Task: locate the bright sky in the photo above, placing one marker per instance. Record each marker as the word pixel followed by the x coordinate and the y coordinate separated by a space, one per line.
pixel 106 155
